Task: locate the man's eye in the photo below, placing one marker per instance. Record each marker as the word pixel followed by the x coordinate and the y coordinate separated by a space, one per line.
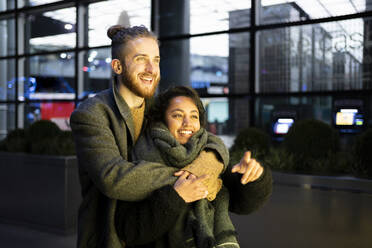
pixel 140 59
pixel 157 61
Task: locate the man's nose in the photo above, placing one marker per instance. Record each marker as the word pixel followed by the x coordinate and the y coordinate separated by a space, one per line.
pixel 149 67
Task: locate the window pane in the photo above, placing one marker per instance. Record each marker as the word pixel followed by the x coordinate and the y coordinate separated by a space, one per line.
pixel 50 31
pixel 209 64
pixel 57 112
pixel 277 11
pixel 201 62
pixel 270 109
pixel 200 16
pixel 50 77
pixel 102 15
pixel 239 63
pixel 217 114
pixel 7 80
pixel 96 72
pixel 319 57
pixel 6 5
pixel 7 119
pixel 211 15
pixel 7 37
pixel 25 3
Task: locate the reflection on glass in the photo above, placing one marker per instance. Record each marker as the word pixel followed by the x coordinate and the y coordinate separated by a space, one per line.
pixel 7 37
pixel 50 77
pixel 217 114
pixel 7 119
pixel 96 71
pixel 57 112
pixel 319 57
pixel 209 64
pixel 211 15
pixel 274 115
pixel 24 3
pixel 6 5
pixel 102 15
pixel 276 11
pixel 7 80
pixel 239 63
pixel 50 31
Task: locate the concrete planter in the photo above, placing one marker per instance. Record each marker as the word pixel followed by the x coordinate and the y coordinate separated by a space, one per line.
pixel 311 211
pixel 41 191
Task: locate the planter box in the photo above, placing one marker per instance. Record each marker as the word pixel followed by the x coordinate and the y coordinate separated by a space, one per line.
pixel 41 191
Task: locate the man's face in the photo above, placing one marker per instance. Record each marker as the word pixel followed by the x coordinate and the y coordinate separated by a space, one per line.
pixel 141 72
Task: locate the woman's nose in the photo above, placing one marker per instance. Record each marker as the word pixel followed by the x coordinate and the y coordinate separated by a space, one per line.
pixel 186 121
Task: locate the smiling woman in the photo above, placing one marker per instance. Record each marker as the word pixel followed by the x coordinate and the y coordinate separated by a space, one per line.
pixel 186 198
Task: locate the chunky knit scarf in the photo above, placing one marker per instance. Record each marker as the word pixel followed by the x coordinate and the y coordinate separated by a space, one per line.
pixel 206 224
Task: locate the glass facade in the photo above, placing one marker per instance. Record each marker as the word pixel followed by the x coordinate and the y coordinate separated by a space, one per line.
pixel 250 60
pixel 274 11
pixel 50 31
pixel 7 37
pixel 7 80
pixel 132 13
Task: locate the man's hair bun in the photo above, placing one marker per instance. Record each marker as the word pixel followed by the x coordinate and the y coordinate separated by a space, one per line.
pixel 113 30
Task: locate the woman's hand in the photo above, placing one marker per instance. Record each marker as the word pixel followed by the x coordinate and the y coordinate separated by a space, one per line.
pixel 249 167
pixel 189 187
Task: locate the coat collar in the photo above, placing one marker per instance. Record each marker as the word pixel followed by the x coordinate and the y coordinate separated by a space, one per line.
pixel 125 110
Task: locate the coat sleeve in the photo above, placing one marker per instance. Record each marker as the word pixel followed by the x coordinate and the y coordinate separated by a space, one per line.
pixel 101 162
pixel 247 198
pixel 146 221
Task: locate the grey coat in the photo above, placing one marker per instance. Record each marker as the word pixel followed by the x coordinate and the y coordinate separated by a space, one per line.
pixel 103 131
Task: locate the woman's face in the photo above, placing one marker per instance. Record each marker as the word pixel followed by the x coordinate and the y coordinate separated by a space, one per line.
pixel 182 118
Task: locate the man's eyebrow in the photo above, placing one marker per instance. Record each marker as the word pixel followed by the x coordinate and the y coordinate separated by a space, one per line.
pixel 140 54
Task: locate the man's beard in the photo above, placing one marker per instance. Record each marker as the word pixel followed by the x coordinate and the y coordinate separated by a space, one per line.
pixel 131 83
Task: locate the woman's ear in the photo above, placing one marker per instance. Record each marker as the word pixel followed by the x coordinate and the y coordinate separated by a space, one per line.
pixel 116 66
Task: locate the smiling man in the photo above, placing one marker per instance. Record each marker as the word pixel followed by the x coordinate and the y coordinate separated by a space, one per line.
pixel 105 128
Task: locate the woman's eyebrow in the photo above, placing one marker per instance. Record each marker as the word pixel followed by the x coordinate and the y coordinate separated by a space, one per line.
pixel 177 109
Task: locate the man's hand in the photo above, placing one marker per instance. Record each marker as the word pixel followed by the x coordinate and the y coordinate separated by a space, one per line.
pixel 249 167
pixel 189 187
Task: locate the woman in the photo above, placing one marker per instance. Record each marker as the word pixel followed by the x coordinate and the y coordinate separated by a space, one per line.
pixel 167 218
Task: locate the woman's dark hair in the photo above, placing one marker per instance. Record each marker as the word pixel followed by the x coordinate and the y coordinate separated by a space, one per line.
pixel 120 35
pixel 162 101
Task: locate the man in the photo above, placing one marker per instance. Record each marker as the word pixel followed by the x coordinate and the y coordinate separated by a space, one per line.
pixel 105 129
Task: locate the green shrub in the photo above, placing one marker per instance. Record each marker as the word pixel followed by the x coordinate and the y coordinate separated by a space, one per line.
pixel 279 159
pixel 42 137
pixel 15 141
pixel 252 139
pixel 311 138
pixel 312 144
pixel 363 155
pixel 42 129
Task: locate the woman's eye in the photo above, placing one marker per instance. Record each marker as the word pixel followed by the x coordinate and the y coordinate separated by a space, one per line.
pixel 177 116
pixel 195 117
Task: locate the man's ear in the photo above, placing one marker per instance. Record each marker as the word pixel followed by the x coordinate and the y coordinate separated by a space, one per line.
pixel 116 66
